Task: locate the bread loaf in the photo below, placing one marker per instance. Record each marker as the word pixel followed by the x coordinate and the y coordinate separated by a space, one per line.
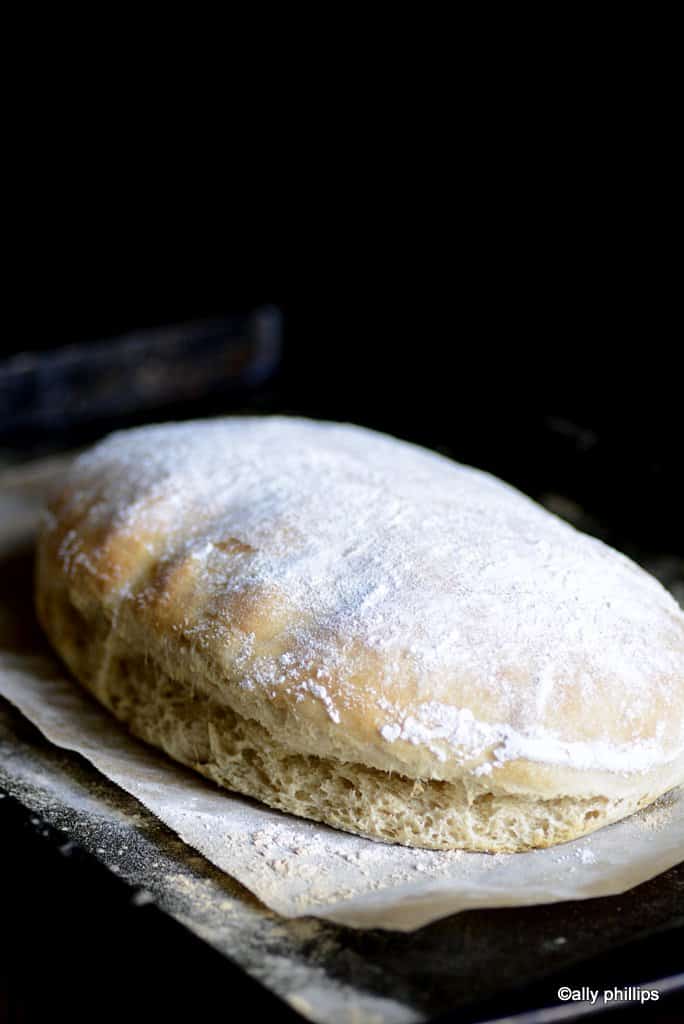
pixel 362 632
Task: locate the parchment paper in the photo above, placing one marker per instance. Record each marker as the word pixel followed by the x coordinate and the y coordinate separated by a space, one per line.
pixel 294 866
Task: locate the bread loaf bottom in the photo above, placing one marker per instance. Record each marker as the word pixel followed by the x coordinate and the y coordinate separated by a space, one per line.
pixel 240 754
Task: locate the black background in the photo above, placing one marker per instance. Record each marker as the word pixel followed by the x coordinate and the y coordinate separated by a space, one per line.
pixel 533 329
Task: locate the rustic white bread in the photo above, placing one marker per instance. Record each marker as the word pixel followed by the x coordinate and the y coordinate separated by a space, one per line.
pixel 363 632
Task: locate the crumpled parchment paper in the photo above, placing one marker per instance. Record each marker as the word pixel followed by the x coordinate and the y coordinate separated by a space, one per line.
pixel 295 867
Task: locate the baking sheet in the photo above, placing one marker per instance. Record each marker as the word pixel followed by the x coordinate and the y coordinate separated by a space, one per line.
pixel 297 868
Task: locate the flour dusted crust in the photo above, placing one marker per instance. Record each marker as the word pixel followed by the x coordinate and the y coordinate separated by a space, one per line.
pixel 363 632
